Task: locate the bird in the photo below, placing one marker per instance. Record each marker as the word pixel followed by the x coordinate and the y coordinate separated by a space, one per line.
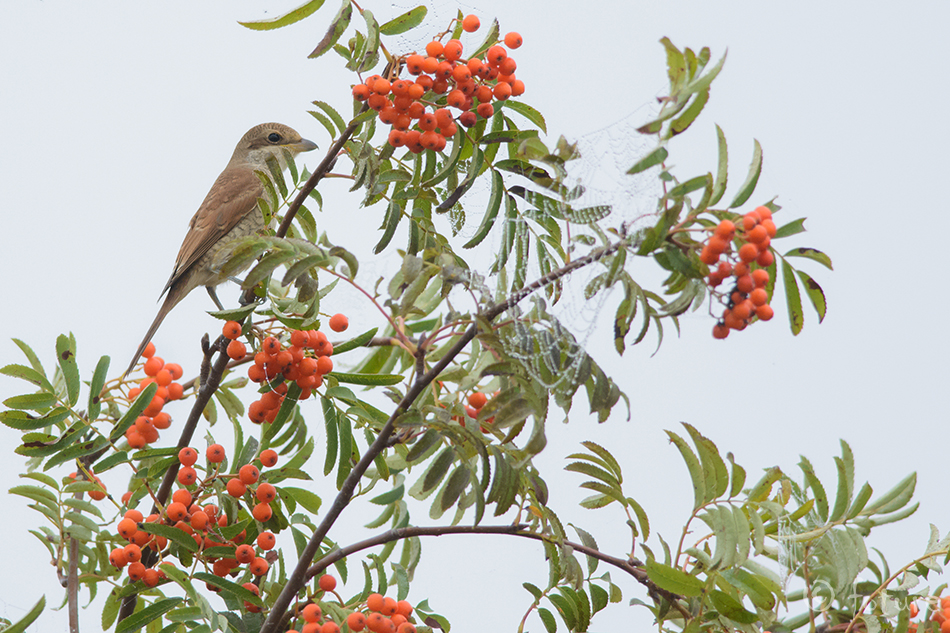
pixel 229 211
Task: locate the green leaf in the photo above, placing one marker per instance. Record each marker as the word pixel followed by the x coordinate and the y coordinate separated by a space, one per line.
pixel 66 356
pixel 681 123
pixel 31 401
pixel 674 580
pixel 307 499
pixel 231 587
pixel 140 619
pixel 793 299
pixel 394 213
pixel 547 618
pixel 815 294
pixel 333 114
pixel 355 342
pixel 372 380
pixel 731 608
pixel 28 374
pixel 180 537
pixel 792 228
pixel 291 17
pixel 695 470
pixel 811 479
pixel 494 204
pixel 408 20
pixel 722 170
pixel 31 356
pixel 95 387
pixel 656 156
pixel 811 253
pixel 755 169
pixel 21 625
pixel 337 27
pixel 135 410
pixel 527 112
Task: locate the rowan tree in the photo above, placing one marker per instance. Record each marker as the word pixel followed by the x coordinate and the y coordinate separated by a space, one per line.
pixel 444 404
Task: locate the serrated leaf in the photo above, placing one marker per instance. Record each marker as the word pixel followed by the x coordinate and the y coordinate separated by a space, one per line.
pixel 731 608
pixel 722 169
pixel 755 169
pixel 286 19
pixel 31 401
pixel 373 380
pixel 656 156
pixel 494 204
pixel 333 114
pixel 28 374
pixel 793 299
pixel 21 625
pixel 674 580
pixel 337 27
pixel 402 23
pixel 305 498
pixel 693 465
pixel 527 112
pixel 815 294
pixel 812 254
pixel 66 356
pixel 792 228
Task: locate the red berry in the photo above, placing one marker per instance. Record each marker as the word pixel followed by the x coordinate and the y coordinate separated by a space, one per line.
pixel 513 40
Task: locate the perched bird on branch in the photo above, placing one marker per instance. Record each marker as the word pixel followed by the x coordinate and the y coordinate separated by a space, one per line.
pixel 229 211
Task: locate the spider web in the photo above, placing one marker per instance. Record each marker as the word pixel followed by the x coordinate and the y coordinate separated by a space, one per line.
pixel 552 349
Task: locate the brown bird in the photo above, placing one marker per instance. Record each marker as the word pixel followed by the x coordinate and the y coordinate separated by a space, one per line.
pixel 229 211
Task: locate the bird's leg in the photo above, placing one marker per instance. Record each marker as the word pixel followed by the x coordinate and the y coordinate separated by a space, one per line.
pixel 214 297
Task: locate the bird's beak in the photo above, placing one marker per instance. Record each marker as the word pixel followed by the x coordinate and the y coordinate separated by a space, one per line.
pixel 303 146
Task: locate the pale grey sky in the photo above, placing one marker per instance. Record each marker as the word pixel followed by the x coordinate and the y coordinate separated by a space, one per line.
pixel 119 116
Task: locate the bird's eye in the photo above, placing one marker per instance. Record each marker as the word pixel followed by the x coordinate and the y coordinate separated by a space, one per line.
pixel 273 137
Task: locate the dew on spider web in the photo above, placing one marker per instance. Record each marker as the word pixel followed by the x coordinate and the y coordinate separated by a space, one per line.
pixel 552 347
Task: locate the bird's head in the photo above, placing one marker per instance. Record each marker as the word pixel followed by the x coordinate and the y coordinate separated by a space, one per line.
pixel 266 140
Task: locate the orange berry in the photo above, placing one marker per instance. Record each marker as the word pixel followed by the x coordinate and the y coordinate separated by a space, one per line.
pixel 149 350
pixel 477 399
pixel 151 578
pixel 513 40
pixel 765 259
pixel 757 235
pixel 434 48
pixel 375 602
pixel 759 297
pixel 470 23
pixel 258 566
pixel 403 608
pixel 452 50
pixel 231 330
pixel 152 365
pixel 249 474
pixel 269 457
pixel 187 456
pixel 324 365
pixel 136 571
pixel 199 520
pixel 430 65
pixel 749 220
pixel 266 541
pixel 244 554
pixel 743 310
pixel 236 488
pixel 506 70
pixel 720 331
pixel 237 350
pixel 461 74
pixel 311 612
pixel 266 492
pixel 406 627
pixel 748 252
pixel 764 312
pixel 745 283
pixel 740 269
pixel 187 476
pixel 717 244
pixel 485 110
pixel 945 625
pixel 763 212
pixel 119 558
pixel 769 227
pixel 327 582
pixel 389 606
pixel 176 511
pixel 215 454
pixel 376 622
pixel 726 229
pixel 262 512
pixel 360 92
pixel 414 64
pixel 257 412
pixel 708 256
pixel 456 99
pixel 496 55
pixel 517 88
pixel 163 377
pixel 761 277
pixel 502 91
pixel 467 119
pixel 356 621
pixel 162 421
pixel 330 627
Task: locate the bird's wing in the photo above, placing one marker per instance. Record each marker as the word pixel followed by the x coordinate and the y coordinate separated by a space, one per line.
pixel 232 197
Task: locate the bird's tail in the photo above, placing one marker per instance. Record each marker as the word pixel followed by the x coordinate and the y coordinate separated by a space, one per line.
pixel 171 300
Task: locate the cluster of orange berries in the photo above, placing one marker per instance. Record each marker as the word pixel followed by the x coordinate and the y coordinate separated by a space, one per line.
pixel 748 297
pixel 146 427
pixel 95 495
pixel 202 523
pixel 305 361
pixel 940 614
pixel 476 400
pixel 470 85
pixel 385 615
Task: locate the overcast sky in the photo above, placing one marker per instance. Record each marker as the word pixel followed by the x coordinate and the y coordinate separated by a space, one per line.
pixel 120 115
